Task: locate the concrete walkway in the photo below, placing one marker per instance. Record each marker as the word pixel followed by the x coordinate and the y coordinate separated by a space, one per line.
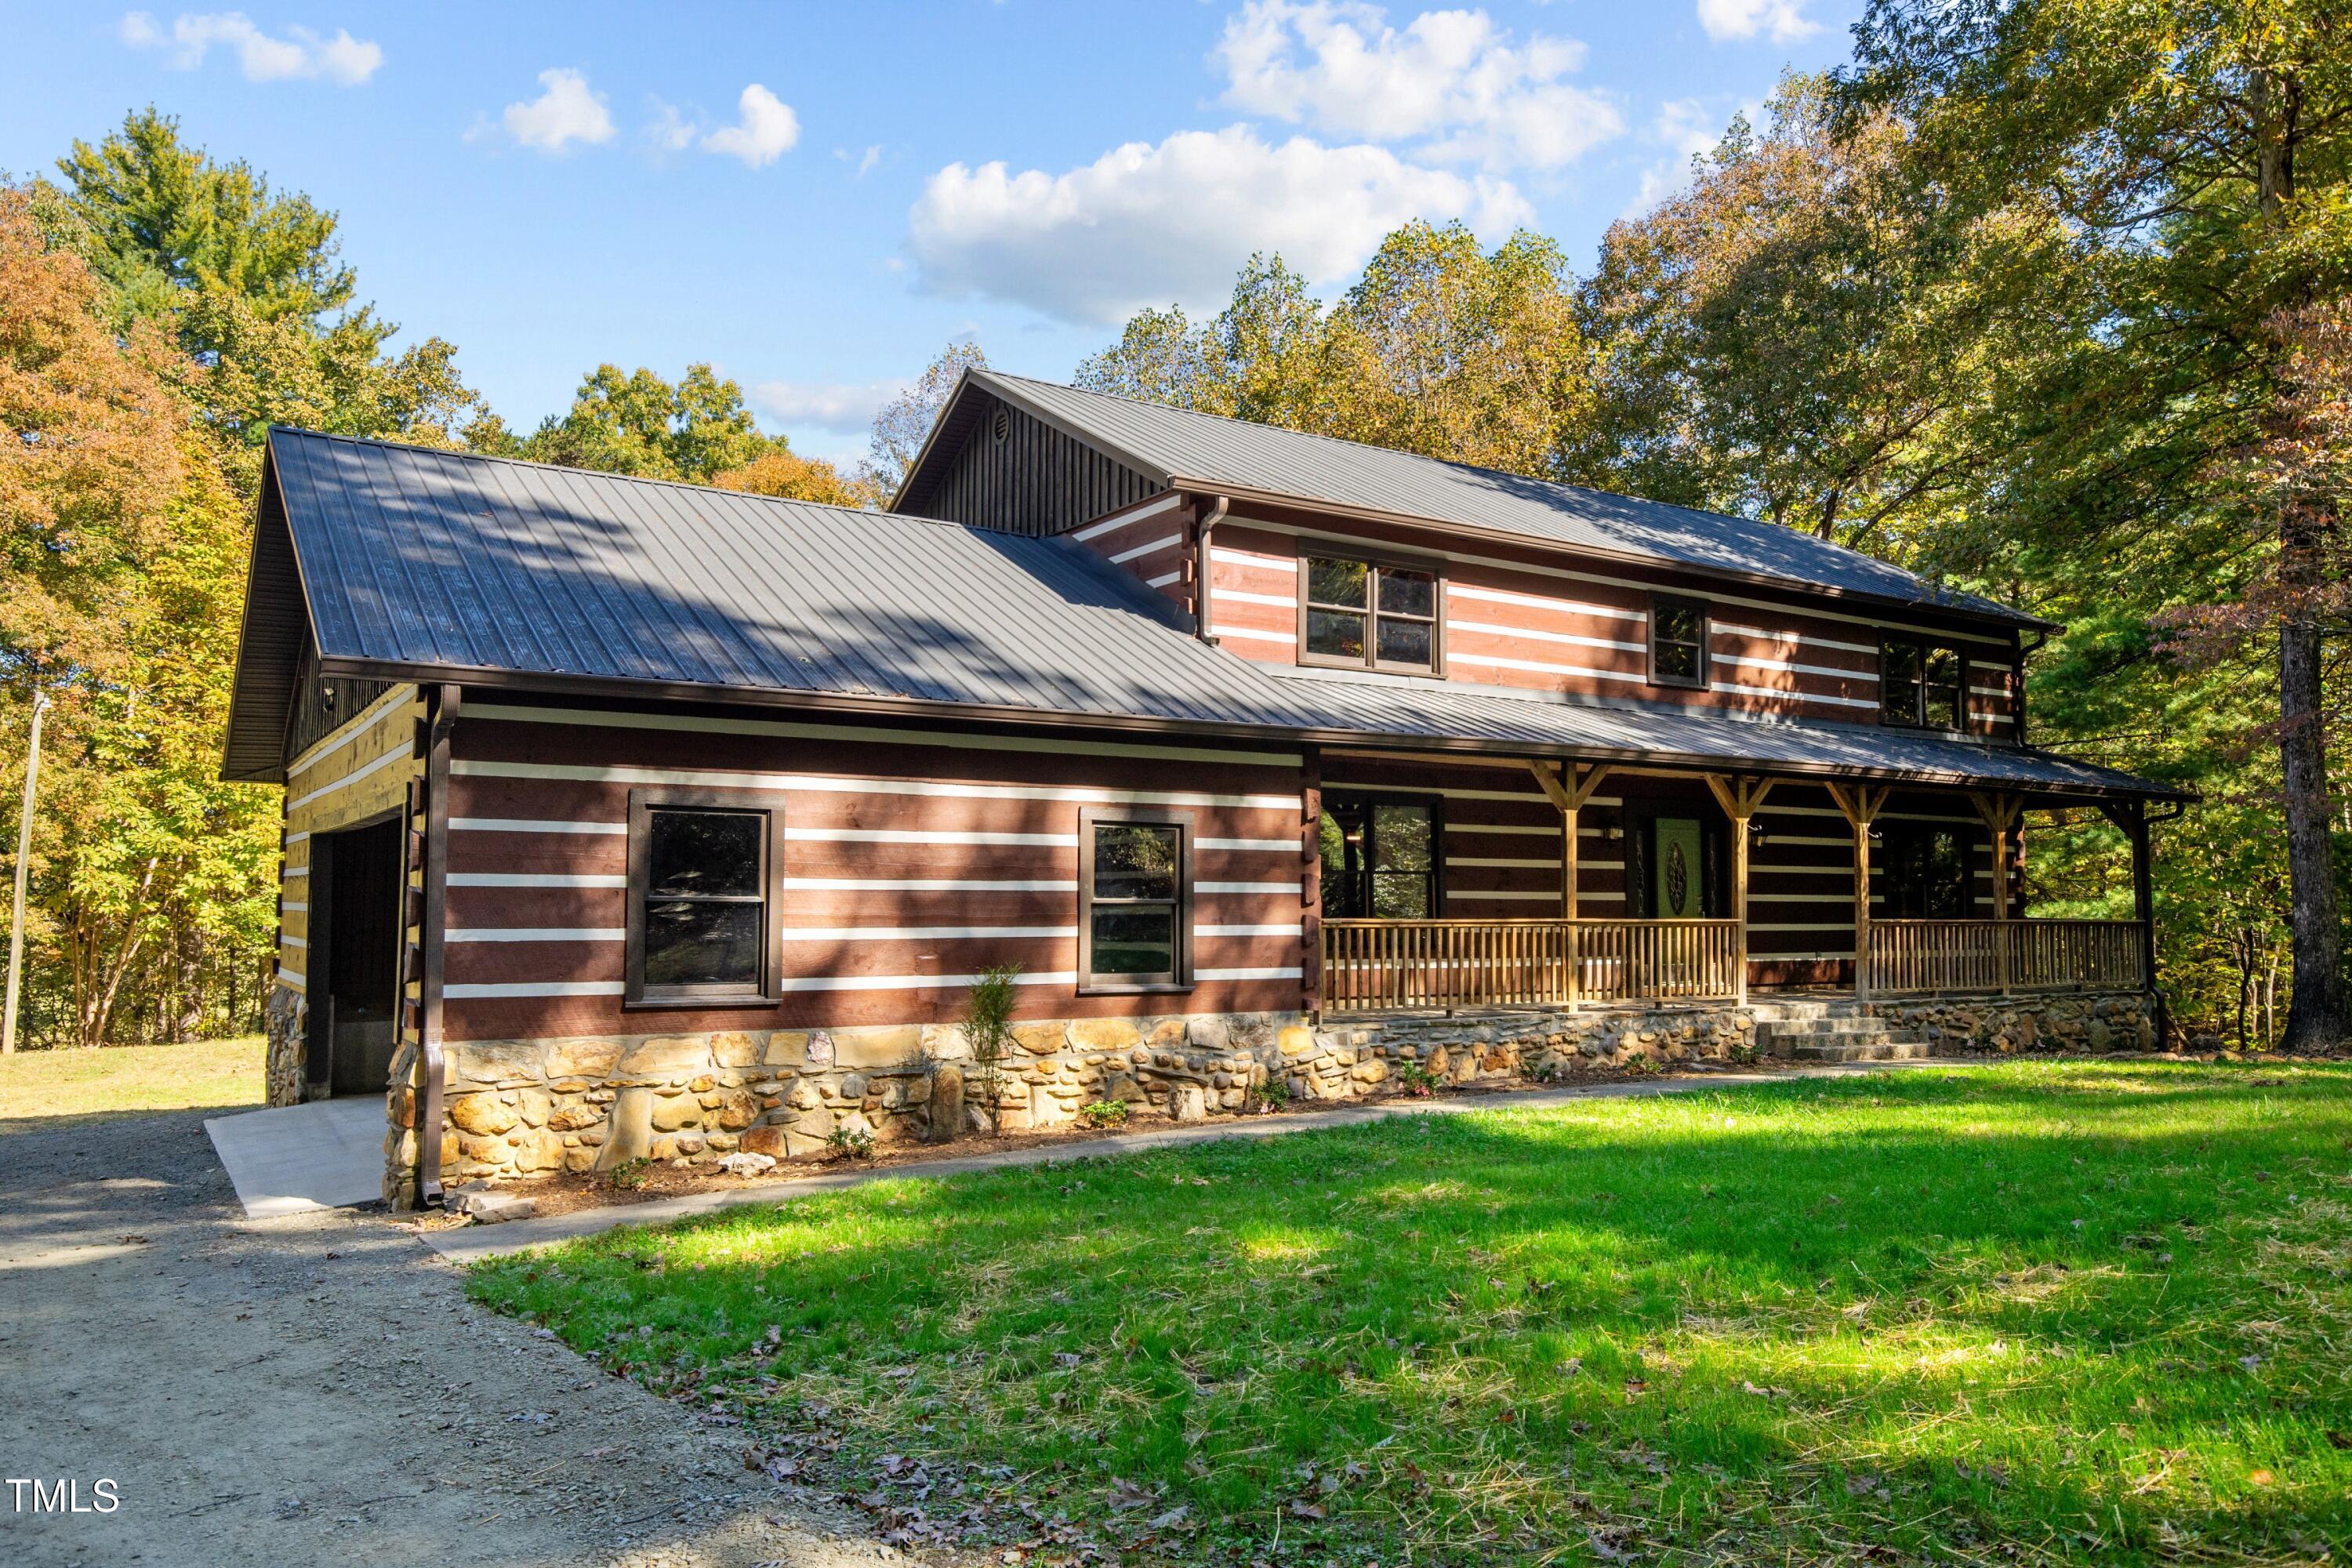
pixel 293 1159
pixel 467 1243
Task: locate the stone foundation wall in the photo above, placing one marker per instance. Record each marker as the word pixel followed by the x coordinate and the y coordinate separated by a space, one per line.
pixel 532 1108
pixel 285 1064
pixel 528 1107
pixel 2050 1023
pixel 1351 1061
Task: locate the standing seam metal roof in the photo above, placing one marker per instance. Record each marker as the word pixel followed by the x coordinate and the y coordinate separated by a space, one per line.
pixel 1183 448
pixel 415 561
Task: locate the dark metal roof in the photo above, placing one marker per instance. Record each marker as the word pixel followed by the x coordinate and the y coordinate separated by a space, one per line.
pixel 1187 450
pixel 424 565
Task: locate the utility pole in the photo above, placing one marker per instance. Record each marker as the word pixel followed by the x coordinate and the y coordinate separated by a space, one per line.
pixel 24 865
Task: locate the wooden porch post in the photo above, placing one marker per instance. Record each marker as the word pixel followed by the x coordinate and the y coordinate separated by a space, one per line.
pixel 1861 804
pixel 1739 798
pixel 1570 786
pixel 2132 817
pixel 2001 814
pixel 1310 883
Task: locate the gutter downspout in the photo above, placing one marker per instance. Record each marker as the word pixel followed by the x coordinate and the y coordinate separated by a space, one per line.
pixel 1202 533
pixel 2024 652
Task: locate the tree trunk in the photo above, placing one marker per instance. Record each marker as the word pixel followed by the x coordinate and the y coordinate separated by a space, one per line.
pixel 2316 1016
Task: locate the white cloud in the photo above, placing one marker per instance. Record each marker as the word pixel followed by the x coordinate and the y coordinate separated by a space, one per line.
pixel 1783 20
pixel 765 132
pixel 1452 81
pixel 842 407
pixel 301 54
pixel 568 112
pixel 668 131
pixel 1146 225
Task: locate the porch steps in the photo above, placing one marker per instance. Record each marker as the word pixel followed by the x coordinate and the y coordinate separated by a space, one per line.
pixel 1831 1032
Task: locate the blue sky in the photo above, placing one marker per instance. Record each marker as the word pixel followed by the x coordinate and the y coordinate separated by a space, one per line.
pixel 817 198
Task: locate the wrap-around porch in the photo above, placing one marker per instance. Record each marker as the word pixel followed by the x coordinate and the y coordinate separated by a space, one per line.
pixel 1918 895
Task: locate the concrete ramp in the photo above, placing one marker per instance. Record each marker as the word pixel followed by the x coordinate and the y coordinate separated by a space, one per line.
pixel 324 1155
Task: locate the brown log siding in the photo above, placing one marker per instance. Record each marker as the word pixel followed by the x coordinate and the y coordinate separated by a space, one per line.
pixel 1152 540
pixel 834 789
pixel 1547 621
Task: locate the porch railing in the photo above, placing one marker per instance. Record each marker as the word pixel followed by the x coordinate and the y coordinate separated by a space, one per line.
pixel 1370 965
pixel 1907 957
pixel 1374 965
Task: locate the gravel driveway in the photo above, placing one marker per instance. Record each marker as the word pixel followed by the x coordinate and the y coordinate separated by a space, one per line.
pixel 318 1389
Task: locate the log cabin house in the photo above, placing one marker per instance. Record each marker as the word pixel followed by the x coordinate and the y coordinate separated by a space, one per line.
pixel 634 820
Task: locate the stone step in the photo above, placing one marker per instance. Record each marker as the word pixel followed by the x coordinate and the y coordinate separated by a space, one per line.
pixel 1833 1023
pixel 1791 1012
pixel 1849 1050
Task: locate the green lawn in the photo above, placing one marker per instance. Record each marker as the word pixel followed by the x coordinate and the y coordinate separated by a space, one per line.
pixel 2034 1311
pixel 45 1087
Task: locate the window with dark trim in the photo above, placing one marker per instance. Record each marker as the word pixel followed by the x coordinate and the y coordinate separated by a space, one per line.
pixel 1382 858
pixel 1922 685
pixel 704 885
pixel 1135 902
pixel 1677 641
pixel 1928 871
pixel 1365 613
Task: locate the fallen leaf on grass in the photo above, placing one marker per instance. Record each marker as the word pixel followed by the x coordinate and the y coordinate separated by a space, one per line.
pixel 1302 1509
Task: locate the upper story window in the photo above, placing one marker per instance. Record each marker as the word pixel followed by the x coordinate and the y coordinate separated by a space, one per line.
pixel 1677 641
pixel 1135 887
pixel 1362 612
pixel 1920 684
pixel 702 898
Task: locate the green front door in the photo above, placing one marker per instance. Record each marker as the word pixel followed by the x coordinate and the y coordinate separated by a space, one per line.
pixel 1676 883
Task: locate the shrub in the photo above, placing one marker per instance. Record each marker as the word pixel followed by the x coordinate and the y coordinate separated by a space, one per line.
pixel 1416 1079
pixel 1272 1095
pixel 1106 1113
pixel 629 1175
pixel 851 1143
pixel 987 1025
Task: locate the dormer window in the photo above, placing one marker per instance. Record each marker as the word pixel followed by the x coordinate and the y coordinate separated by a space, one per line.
pixel 1366 614
pixel 1919 684
pixel 1677 641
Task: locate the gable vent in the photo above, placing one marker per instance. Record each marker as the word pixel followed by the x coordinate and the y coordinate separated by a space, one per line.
pixel 1001 425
